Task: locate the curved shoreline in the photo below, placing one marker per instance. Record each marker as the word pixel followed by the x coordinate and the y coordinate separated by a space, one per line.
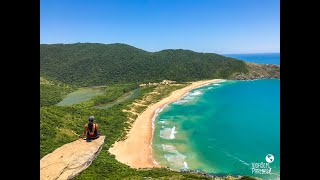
pixel 136 150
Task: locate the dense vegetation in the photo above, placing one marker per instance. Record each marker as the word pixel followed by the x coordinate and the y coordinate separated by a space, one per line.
pixel 113 92
pixel 121 68
pixel 61 125
pixel 89 64
pixel 52 92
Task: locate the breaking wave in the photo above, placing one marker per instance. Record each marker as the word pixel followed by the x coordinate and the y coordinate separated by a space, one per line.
pixel 168 133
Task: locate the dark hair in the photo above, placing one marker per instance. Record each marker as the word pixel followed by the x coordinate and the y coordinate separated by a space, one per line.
pixel 90 124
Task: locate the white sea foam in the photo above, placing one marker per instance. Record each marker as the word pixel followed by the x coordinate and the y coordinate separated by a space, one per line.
pixel 182 101
pixel 242 161
pixel 169 148
pixel 196 93
pixel 176 159
pixel 168 133
pixel 155 162
pixel 153 119
pixel 173 132
pixel 204 85
pixel 161 122
pixel 155 115
pixel 189 98
pixel 165 133
pixel 186 98
pixel 185 165
pixel 159 110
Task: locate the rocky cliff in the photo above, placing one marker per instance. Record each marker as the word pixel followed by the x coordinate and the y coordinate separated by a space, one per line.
pixel 259 71
pixel 70 159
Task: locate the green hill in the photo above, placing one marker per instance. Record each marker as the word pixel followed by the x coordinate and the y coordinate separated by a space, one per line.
pixel 89 64
pixel 64 68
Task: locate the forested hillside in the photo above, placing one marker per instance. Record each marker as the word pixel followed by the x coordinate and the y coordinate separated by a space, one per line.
pixel 88 64
pixel 120 68
pixel 51 92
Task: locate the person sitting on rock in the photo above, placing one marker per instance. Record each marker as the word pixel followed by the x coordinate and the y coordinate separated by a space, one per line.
pixel 91 130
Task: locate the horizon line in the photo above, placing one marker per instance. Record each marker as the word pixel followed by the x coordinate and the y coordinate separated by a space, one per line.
pixel 273 52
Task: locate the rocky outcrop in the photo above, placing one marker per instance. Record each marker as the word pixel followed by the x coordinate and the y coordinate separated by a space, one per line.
pixel 70 159
pixel 217 177
pixel 260 71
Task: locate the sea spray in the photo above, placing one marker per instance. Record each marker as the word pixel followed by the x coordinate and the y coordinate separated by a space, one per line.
pixel 176 160
pixel 185 165
pixel 196 93
pixel 189 95
pixel 151 140
pixel 167 133
pixel 169 148
pixel 240 160
pixel 173 132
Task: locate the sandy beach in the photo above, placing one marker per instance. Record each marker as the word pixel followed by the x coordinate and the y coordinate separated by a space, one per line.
pixel 136 151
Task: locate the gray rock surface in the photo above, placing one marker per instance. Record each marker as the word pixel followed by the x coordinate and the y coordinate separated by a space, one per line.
pixel 70 159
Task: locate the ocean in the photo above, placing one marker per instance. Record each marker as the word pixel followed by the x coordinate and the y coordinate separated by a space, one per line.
pixel 232 127
pixel 260 58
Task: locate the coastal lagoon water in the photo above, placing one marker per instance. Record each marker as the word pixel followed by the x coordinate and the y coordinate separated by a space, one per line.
pixel 81 95
pixel 85 94
pixel 221 128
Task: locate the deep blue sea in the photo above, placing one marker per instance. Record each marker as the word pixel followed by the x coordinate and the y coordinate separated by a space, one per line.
pixel 222 128
pixel 260 58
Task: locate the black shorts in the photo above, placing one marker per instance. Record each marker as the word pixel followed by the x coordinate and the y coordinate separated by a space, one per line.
pixel 96 137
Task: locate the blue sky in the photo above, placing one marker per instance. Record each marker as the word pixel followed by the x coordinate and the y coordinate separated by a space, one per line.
pixel 218 26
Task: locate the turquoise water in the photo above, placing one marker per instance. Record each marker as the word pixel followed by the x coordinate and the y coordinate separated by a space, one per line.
pixel 81 95
pixel 221 128
pixel 261 58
